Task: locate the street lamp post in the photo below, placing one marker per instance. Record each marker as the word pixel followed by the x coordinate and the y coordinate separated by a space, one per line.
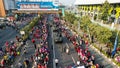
pixel 78 26
pixel 89 33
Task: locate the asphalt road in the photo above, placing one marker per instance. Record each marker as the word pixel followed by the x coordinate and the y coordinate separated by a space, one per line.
pixel 50 46
pixel 31 51
pixel 100 59
pixel 65 59
pixel 9 33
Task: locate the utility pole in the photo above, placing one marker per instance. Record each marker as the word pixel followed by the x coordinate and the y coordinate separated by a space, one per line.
pixel 78 25
pixel 89 33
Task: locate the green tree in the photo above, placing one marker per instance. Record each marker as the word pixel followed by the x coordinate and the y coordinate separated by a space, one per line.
pixel 84 22
pixel 102 34
pixel 105 10
pixel 76 22
pixel 70 17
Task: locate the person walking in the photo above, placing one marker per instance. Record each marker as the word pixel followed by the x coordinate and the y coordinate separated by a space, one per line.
pixel 26 63
pixel 2 62
pixel 35 46
pixel 67 51
pixel 32 58
pixel 33 40
pixel 56 62
pixel 20 65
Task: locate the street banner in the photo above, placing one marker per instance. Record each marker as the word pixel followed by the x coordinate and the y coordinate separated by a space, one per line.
pixel 115 45
pixel 37 6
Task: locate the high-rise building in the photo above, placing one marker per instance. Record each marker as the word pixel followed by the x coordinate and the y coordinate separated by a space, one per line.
pixel 9 4
pixel 2 9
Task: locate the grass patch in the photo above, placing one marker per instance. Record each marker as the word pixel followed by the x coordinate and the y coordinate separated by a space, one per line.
pixel 29 27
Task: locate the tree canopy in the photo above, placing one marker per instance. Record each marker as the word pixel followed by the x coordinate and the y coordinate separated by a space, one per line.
pixel 105 10
pixel 70 17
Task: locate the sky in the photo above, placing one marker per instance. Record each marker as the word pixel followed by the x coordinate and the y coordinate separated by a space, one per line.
pixel 67 2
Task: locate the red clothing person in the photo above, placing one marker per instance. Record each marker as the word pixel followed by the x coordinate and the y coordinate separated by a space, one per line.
pixel 2 62
pixel 74 43
pixel 97 66
pixel 39 66
pixel 6 43
pixel 33 40
pixel 46 59
pixel 86 42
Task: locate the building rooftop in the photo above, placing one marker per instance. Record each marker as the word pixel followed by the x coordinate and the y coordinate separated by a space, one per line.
pixel 89 2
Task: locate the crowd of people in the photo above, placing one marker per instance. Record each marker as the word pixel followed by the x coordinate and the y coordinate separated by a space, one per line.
pixel 39 39
pixel 10 53
pixel 11 49
pixel 40 34
pixel 82 48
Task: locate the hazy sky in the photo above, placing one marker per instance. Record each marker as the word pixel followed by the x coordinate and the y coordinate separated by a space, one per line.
pixel 67 2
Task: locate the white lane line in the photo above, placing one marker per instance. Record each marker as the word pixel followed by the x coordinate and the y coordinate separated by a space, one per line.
pixel 54 66
pixel 73 59
pixel 67 45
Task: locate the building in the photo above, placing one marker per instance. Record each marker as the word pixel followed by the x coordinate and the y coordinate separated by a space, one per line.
pixel 37 6
pixel 2 9
pixel 9 4
pixel 92 8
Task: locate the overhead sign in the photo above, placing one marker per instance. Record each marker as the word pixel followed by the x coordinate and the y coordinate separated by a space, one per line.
pixel 29 6
pixel 37 6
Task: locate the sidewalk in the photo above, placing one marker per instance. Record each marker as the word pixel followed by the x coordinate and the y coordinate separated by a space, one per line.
pixel 116 26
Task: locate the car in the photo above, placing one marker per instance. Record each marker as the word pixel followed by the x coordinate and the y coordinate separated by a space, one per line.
pixel 58 38
pixel 2 26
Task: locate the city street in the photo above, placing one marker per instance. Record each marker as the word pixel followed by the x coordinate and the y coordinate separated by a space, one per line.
pixel 31 50
pixel 99 58
pixel 65 59
pixel 56 50
pixel 59 33
pixel 9 34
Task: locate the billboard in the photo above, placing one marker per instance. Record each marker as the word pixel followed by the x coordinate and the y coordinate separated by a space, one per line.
pixel 37 6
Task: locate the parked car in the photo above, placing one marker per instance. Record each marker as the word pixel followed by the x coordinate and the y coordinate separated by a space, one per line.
pixel 58 38
pixel 2 26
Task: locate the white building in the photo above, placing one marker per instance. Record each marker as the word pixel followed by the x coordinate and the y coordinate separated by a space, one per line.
pixel 91 2
pixel 92 8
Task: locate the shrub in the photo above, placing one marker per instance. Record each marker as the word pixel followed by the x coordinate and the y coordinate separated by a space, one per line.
pixel 28 27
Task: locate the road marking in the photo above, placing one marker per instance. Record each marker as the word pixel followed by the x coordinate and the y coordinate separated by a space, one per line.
pixel 67 45
pixel 54 66
pixel 73 59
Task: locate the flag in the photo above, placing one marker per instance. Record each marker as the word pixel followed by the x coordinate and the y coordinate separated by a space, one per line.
pixel 115 45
